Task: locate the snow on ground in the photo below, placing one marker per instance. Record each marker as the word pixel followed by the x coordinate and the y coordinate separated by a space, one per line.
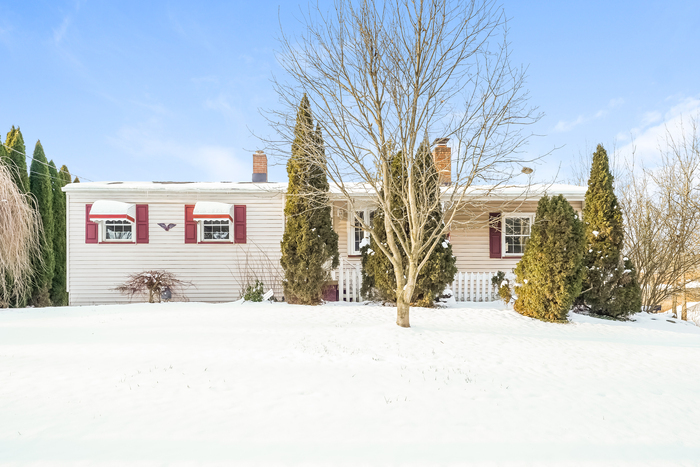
pixel 277 384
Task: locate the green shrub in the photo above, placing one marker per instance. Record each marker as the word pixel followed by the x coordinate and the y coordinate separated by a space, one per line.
pixel 378 276
pixel 550 273
pixel 309 243
pixel 254 293
pixel 610 284
pixel 503 285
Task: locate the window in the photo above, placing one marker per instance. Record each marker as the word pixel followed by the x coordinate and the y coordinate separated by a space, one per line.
pixel 214 222
pixel 516 232
pixel 108 221
pixel 357 235
pixel 118 230
pixel 213 230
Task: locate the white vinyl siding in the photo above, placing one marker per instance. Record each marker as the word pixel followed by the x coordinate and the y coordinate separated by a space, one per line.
pixel 471 244
pixel 217 270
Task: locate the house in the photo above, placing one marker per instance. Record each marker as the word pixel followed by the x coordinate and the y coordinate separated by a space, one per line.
pixel 222 235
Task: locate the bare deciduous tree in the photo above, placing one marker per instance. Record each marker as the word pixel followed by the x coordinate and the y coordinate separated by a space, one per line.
pixel 662 218
pixel 381 77
pixel 20 231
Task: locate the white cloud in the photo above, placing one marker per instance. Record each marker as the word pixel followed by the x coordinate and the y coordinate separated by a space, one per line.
pixel 651 117
pixel 655 126
pixel 222 104
pixel 5 33
pixel 60 32
pixel 564 126
pixel 219 162
pixel 617 102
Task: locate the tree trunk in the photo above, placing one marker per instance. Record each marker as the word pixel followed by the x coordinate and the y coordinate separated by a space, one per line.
pixel 684 309
pixel 674 305
pixel 402 308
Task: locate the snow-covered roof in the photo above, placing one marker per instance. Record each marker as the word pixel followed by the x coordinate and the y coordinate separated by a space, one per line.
pixel 486 192
pixel 482 192
pixel 208 210
pixel 106 209
pixel 225 187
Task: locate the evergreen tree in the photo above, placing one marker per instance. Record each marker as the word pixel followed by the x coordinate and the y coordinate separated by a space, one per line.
pixel 309 244
pixel 16 158
pixel 76 180
pixel 40 186
pixel 378 278
pixel 378 275
pixel 64 175
pixel 610 287
pixel 550 273
pixel 3 154
pixel 59 296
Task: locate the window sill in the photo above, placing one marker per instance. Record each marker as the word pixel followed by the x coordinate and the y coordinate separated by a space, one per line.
pixel 117 243
pixel 226 242
pixel 512 257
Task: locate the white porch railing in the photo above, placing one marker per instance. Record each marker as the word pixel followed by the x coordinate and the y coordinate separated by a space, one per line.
pixel 467 286
pixel 349 277
pixel 474 287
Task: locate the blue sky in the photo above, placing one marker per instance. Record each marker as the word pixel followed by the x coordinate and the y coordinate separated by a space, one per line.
pixel 171 90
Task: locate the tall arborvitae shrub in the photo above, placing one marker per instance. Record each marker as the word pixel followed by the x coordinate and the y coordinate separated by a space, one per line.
pixel 610 287
pixel 3 154
pixel 17 159
pixel 309 244
pixel 550 273
pixel 378 278
pixel 40 186
pixel 76 180
pixel 64 175
pixel 378 273
pixel 59 296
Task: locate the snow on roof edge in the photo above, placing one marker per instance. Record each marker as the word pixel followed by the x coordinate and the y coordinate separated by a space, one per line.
pixel 571 192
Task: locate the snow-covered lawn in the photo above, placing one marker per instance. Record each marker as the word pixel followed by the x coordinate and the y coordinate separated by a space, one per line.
pixel 276 384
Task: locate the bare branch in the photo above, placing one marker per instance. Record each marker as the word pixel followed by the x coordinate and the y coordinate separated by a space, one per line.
pixel 383 76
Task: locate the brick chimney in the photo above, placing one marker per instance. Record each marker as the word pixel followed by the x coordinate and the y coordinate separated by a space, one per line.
pixel 443 160
pixel 259 167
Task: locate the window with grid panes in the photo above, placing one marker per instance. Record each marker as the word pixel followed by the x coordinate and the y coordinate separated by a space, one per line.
pixel 516 233
pixel 213 230
pixel 118 230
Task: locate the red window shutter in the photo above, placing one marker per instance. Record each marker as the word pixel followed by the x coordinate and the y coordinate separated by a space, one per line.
pixel 239 224
pixel 142 223
pixel 90 227
pixel 495 234
pixel 190 224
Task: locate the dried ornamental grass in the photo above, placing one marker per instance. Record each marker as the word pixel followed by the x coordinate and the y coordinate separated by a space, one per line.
pixel 20 231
